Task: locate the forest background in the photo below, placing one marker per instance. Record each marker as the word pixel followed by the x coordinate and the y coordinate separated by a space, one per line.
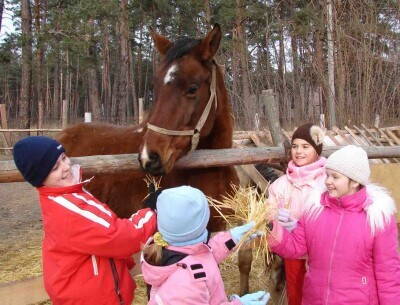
pixel 338 58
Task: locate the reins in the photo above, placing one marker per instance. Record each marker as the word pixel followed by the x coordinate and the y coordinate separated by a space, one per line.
pixel 194 133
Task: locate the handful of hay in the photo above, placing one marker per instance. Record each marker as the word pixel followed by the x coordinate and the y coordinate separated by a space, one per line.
pixel 247 204
pixel 152 183
pixel 151 180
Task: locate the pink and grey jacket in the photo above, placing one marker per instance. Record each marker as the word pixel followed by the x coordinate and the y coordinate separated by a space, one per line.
pixel 300 189
pixel 352 248
pixel 195 279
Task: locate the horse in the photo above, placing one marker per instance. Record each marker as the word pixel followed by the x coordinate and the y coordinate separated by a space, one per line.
pixel 191 110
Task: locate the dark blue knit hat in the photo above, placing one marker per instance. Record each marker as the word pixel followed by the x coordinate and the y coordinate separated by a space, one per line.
pixel 35 158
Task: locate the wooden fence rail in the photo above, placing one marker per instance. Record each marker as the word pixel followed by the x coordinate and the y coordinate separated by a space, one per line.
pixel 93 165
pixel 31 130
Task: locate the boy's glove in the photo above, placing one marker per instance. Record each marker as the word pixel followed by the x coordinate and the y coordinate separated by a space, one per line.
pixel 286 221
pixel 151 199
pixel 256 298
pixel 238 232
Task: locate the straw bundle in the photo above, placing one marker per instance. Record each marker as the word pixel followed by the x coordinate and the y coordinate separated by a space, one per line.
pixel 247 204
pixel 151 180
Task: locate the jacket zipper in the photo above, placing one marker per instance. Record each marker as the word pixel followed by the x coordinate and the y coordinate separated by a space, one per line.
pixel 116 281
pixel 94 264
pixel 331 259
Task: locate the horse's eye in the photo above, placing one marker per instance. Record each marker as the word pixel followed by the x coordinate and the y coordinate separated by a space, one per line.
pixel 192 89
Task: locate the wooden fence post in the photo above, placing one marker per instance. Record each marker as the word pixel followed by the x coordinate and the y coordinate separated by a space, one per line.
pixel 322 120
pixel 64 118
pixel 4 125
pixel 272 111
pixel 140 110
pixel 88 117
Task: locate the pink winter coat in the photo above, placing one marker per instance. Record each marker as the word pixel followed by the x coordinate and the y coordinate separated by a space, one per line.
pixel 194 280
pixel 352 250
pixel 300 189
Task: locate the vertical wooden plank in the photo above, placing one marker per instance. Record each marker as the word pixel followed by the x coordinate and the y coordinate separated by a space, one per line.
pixel 272 109
pixel 322 121
pixel 377 121
pixel 4 123
pixel 88 117
pixel 6 136
pixel 140 110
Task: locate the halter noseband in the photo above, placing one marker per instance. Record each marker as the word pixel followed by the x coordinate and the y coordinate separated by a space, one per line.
pixel 194 133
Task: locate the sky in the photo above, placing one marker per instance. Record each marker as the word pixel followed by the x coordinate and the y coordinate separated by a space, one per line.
pixel 6 23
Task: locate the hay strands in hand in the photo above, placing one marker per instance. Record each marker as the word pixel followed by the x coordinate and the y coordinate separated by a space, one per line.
pixel 156 181
pixel 151 181
pixel 243 205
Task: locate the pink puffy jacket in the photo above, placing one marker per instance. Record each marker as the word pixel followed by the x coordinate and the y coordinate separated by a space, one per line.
pixel 194 280
pixel 352 250
pixel 300 189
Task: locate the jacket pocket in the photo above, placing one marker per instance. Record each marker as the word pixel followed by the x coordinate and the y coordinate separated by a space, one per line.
pixel 365 288
pixel 95 266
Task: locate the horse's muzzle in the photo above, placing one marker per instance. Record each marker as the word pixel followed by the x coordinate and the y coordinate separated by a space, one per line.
pixel 152 164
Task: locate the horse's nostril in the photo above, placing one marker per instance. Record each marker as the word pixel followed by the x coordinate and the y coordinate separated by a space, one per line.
pixel 154 157
pixel 153 164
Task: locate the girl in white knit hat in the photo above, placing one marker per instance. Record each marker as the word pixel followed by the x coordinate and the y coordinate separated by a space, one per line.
pixel 351 241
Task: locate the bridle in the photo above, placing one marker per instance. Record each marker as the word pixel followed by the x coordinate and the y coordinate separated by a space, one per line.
pixel 194 133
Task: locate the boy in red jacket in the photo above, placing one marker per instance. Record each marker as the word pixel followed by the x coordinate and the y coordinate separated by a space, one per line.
pixel 86 248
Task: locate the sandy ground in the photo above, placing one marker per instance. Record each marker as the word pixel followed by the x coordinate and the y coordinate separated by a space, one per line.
pixel 20 246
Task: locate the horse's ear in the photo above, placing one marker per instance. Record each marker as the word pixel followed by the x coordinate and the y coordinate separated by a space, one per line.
pixel 162 44
pixel 209 45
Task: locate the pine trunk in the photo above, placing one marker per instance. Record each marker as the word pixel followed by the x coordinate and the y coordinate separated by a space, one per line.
pixel 106 78
pixel 39 64
pixel 123 88
pixel 331 64
pixel 26 73
pixel 93 84
pixel 244 71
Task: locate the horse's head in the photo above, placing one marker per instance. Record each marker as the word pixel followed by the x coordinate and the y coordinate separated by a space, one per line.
pixel 184 100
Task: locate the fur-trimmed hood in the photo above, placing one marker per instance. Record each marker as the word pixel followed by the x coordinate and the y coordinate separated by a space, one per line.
pixel 376 202
pixel 380 208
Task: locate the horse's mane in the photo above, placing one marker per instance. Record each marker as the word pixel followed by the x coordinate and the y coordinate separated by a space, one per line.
pixel 181 47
